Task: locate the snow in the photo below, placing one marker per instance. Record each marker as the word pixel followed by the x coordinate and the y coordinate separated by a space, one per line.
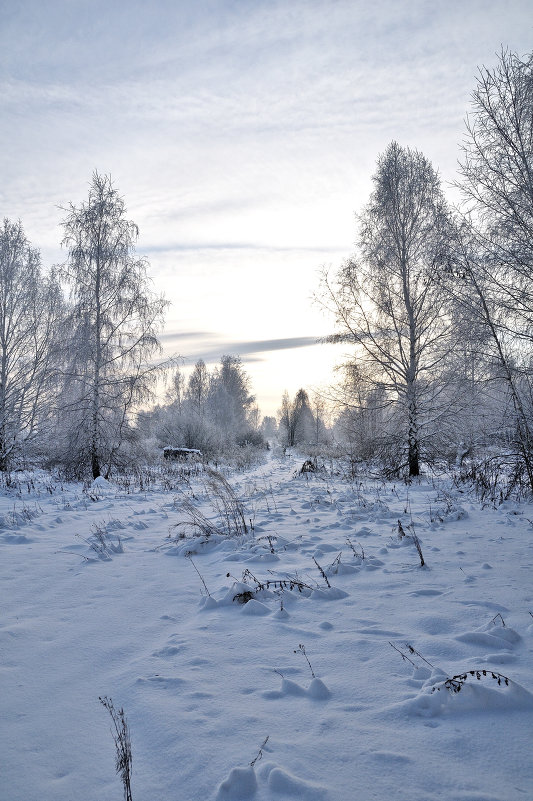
pixel 204 678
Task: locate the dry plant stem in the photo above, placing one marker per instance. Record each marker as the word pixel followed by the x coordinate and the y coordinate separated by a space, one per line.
pixel 260 752
pixel 418 546
pixel 404 656
pixel 228 507
pixel 121 737
pixel 334 566
pixel 355 553
pixel 189 557
pixel 414 651
pixel 401 530
pixel 322 573
pixel 301 650
pixel 456 683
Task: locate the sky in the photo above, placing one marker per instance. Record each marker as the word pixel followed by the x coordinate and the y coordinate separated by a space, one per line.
pixel 243 135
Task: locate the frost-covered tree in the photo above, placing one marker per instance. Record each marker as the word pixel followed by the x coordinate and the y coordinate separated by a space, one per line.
pixel 113 326
pixel 296 420
pixel 197 391
pixel 229 400
pixel 387 302
pixel 497 180
pixel 30 310
pixel 491 266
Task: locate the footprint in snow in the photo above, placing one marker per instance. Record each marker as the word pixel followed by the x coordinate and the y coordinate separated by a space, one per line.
pixel 388 757
pixel 168 651
pixel 16 539
pixel 419 676
pixel 165 682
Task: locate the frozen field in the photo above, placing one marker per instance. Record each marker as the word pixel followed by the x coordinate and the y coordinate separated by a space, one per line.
pixel 98 599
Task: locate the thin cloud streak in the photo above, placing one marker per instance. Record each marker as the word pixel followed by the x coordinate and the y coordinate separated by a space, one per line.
pixel 205 346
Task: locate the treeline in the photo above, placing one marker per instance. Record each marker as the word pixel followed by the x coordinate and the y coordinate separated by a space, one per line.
pixel 212 411
pixel 437 302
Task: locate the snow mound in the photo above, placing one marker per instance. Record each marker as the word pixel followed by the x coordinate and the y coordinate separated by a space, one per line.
pixel 286 784
pixel 255 608
pixel 473 697
pixel 318 690
pixel 240 785
pixel 329 594
pixel 493 636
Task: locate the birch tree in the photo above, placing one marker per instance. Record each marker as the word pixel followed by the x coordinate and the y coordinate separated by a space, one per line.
pixel 492 262
pixel 114 323
pixel 386 301
pixel 30 309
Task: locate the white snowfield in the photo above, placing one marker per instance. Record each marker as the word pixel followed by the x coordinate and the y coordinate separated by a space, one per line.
pixel 100 597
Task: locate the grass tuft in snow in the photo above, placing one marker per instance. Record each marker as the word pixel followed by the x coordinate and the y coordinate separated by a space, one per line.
pixel 229 514
pixel 121 737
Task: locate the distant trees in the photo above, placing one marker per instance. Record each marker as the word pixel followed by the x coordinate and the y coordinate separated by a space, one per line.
pixel 113 325
pixel 387 302
pixel 216 413
pixel 296 421
pixel 198 388
pixel 30 315
pixel 229 399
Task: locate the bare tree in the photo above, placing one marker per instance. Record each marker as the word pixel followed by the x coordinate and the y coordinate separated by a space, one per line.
pixel 386 300
pixel 30 309
pixel 492 261
pixel 497 181
pixel 114 325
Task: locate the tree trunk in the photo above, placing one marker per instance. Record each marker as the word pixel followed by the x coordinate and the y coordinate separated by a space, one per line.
pixel 413 443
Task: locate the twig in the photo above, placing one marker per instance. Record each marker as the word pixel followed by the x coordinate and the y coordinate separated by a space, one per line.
pixel 260 753
pixel 404 656
pixel 414 651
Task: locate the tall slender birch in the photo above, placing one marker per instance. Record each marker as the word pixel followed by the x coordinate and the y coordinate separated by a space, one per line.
pixel 114 323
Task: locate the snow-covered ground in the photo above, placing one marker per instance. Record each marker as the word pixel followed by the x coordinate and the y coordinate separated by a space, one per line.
pixel 204 679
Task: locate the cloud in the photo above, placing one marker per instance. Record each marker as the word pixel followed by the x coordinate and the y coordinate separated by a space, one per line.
pixel 175 336
pixel 210 348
